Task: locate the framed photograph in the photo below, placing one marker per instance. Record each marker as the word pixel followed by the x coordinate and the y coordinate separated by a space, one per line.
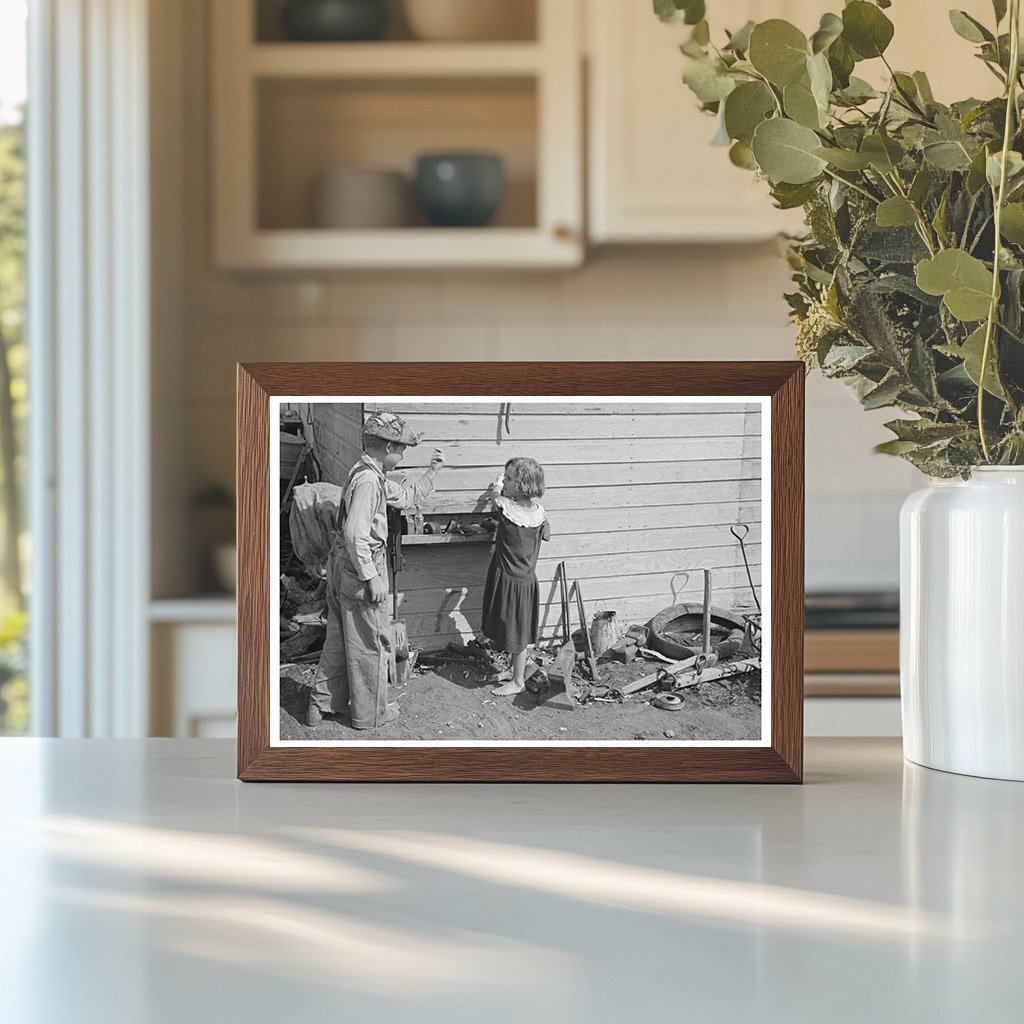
pixel 513 572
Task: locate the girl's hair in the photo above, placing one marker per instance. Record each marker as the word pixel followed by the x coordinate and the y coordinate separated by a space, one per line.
pixel 527 475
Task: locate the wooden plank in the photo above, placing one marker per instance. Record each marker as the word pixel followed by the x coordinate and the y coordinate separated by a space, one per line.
pixel 469 601
pixel 521 407
pixel 443 429
pixel 578 482
pixel 467 564
pixel 852 650
pixel 612 496
pixel 609 520
pixel 655 451
pixel 669 542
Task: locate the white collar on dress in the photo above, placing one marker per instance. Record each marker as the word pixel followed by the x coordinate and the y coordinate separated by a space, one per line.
pixel 532 516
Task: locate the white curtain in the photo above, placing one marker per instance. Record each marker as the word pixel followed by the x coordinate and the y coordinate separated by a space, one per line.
pixel 88 319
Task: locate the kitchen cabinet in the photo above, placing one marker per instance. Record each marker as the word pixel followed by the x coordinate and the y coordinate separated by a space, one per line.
pixel 286 114
pixel 653 175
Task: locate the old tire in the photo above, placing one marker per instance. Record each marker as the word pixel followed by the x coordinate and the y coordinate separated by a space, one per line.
pixel 663 622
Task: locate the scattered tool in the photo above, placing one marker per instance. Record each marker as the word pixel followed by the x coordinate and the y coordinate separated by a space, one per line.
pixel 668 702
pixel 654 655
pixel 706 621
pixel 563 587
pixel 741 537
pixel 588 647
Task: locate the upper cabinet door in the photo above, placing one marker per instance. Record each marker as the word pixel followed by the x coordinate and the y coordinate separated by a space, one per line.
pixel 653 174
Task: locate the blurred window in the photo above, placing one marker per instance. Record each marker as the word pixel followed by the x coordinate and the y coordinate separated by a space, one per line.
pixel 14 547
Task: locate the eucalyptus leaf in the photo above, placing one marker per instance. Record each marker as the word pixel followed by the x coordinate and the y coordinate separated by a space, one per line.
pixel 741 155
pixel 739 41
pixel 1012 223
pixel 924 87
pixel 866 29
pixel 841 60
pixel 994 169
pixel 675 12
pixel 946 156
pixel 800 105
pixel 789 197
pixel 923 431
pixel 830 29
pixel 895 447
pixel 858 91
pixel 921 185
pixel 745 108
pixel 963 281
pixel 820 76
pixel 708 81
pixel 895 212
pixel 779 51
pixel 883 153
pixel 976 174
pixel 785 152
pixel 969 28
pixel 972 352
pixel 844 159
pixel 884 395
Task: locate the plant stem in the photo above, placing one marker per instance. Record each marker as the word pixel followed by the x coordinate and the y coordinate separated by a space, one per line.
pixel 993 309
pixel 850 184
pixel 922 225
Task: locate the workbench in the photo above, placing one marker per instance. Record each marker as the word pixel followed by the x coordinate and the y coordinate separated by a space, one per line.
pixel 143 884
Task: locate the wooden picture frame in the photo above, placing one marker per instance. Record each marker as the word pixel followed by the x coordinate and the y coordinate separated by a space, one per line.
pixel 778 757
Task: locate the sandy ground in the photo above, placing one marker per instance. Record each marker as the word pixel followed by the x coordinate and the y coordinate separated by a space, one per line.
pixel 455 703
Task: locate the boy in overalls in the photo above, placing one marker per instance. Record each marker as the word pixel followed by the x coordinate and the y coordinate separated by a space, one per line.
pixel 353 670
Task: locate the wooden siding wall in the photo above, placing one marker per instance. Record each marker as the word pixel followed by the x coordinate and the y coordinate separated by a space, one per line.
pixel 335 431
pixel 640 499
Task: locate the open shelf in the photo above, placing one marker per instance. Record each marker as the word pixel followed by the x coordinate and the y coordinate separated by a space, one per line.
pixel 309 126
pixel 393 60
pixel 519 23
pixel 286 114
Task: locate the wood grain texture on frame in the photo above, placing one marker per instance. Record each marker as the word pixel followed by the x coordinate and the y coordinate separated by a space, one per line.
pixel 782 761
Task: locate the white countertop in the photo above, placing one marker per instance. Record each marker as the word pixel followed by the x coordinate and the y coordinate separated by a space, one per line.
pixel 143 884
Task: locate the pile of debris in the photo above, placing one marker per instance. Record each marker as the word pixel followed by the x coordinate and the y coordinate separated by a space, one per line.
pixel 303 619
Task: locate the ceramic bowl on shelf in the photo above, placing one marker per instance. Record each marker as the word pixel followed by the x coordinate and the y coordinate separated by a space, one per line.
pixel 460 189
pixel 471 20
pixel 334 21
pixel 361 198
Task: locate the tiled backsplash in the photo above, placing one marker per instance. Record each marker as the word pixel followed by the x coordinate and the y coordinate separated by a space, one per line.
pixel 702 303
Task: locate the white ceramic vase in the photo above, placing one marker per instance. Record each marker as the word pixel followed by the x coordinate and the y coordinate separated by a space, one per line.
pixel 962 624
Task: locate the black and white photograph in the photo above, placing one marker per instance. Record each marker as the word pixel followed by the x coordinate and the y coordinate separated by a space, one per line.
pixel 467 571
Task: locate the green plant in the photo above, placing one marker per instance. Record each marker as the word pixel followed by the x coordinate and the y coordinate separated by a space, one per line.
pixel 911 276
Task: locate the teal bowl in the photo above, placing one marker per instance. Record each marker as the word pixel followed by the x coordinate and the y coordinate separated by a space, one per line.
pixel 460 190
pixel 334 21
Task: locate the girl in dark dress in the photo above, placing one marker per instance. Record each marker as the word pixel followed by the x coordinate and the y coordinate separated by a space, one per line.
pixel 511 594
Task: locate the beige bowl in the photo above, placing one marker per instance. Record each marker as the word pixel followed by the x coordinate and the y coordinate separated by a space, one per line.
pixel 471 20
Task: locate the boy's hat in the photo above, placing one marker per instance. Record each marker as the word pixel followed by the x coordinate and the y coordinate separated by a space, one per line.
pixel 389 427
